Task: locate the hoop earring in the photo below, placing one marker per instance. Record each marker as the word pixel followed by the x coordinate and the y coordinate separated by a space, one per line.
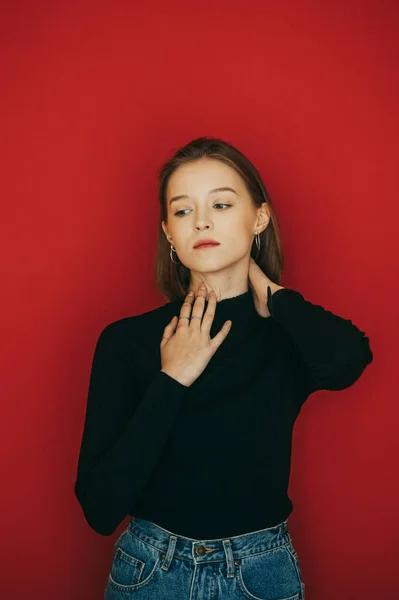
pixel 257 241
pixel 170 254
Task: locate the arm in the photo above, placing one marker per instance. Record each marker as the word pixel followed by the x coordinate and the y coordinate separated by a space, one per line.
pixel 124 433
pixel 334 352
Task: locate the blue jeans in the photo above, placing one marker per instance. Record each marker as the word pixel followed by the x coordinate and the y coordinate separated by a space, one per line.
pixel 152 563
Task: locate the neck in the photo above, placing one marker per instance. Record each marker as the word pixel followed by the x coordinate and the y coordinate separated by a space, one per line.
pixel 220 295
pixel 239 309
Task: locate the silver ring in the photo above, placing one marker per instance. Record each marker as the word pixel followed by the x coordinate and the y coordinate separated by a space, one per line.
pixel 190 318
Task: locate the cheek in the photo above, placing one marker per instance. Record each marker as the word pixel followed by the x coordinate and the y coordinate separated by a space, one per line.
pixel 181 235
pixel 233 229
pixel 237 233
pixel 241 223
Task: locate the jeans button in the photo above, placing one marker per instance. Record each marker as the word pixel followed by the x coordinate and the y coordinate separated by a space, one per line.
pixel 200 550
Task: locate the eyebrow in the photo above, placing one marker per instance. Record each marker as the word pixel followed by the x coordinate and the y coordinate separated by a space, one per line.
pixel 219 189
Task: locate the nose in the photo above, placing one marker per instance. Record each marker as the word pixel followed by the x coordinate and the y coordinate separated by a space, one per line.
pixel 203 222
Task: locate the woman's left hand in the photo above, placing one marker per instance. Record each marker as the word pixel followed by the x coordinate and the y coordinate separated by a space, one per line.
pixel 258 283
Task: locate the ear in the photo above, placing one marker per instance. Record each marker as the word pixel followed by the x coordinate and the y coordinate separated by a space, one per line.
pixel 263 217
pixel 165 229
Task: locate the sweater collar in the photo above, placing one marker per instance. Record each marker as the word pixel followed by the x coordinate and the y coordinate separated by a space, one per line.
pixel 239 309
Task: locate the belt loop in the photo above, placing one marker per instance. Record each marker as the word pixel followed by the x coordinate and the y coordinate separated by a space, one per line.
pixel 229 558
pixel 170 552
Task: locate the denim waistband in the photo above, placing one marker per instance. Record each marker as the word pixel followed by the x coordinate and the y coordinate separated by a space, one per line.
pixel 211 550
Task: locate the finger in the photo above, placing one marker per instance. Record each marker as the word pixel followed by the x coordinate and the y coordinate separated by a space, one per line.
pixel 185 311
pixel 198 309
pixel 210 312
pixel 221 335
pixel 168 331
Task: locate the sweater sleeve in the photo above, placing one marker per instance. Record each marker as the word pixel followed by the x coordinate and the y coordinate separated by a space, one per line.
pixel 333 351
pixel 123 435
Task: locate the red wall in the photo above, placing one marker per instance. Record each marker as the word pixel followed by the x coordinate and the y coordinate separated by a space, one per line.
pixel 94 97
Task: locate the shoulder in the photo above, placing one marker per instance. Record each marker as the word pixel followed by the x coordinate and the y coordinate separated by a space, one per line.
pixel 144 327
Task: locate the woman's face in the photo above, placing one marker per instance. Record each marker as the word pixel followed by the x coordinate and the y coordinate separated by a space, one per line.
pixel 229 217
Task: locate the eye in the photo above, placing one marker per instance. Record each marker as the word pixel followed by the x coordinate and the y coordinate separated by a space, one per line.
pixel 178 213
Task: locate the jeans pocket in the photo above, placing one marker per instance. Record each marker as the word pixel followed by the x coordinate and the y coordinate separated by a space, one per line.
pixel 135 563
pixel 269 575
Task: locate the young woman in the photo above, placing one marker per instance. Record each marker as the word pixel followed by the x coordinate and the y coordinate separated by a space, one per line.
pixel 191 406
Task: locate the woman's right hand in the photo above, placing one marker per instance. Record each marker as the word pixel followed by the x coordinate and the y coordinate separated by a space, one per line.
pixel 186 346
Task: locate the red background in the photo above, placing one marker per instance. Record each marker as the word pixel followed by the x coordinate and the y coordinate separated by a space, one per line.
pixel 94 97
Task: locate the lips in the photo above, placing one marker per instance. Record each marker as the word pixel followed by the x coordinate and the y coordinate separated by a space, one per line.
pixel 206 243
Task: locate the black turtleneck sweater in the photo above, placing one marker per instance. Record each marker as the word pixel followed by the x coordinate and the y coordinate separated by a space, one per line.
pixel 212 459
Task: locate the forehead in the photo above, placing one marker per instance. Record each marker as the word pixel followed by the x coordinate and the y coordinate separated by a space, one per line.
pixel 196 179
